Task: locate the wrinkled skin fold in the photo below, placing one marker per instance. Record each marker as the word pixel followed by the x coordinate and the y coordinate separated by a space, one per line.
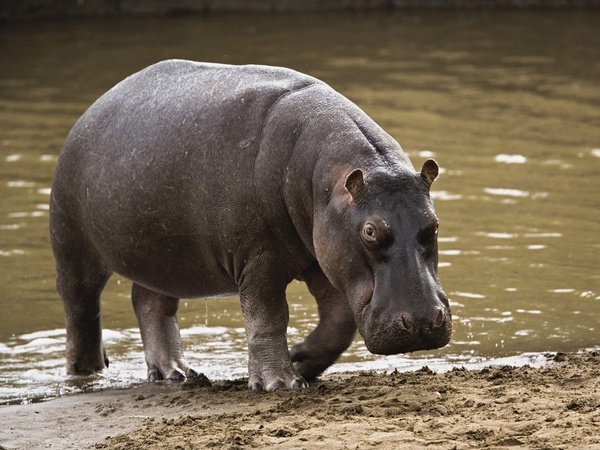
pixel 195 180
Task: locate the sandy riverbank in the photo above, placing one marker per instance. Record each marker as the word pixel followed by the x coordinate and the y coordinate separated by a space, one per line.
pixel 557 406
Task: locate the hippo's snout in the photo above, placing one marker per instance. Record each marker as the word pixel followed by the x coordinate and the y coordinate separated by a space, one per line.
pixel 403 332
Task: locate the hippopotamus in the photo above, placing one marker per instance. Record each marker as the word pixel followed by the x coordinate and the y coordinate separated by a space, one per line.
pixel 196 180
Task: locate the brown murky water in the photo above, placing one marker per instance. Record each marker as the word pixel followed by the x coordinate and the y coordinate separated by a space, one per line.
pixel 508 103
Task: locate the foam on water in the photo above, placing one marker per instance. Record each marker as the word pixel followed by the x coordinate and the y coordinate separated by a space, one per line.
pixel 43 334
pixel 203 330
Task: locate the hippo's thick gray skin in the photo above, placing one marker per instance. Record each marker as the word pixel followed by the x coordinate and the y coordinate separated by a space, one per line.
pixel 195 180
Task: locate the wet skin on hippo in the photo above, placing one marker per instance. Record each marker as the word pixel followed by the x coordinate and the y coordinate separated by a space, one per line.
pixel 197 180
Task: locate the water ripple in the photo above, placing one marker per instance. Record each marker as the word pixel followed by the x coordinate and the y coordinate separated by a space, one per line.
pixel 511 159
pixel 506 192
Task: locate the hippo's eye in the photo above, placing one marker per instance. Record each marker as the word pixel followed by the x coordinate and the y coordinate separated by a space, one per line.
pixel 370 232
pixel 376 233
pixel 428 235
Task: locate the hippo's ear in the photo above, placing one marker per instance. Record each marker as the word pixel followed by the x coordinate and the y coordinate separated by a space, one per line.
pixel 430 171
pixel 355 182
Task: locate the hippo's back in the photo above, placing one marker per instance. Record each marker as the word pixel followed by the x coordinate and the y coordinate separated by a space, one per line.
pixel 177 99
pixel 179 85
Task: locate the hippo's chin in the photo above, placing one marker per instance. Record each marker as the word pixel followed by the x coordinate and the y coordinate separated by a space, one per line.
pixel 391 347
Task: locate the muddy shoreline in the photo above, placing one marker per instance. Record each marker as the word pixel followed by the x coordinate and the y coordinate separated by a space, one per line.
pixel 556 406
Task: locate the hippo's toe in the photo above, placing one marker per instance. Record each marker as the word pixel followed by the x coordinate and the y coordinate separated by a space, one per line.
pixel 191 373
pixel 272 383
pixel 175 375
pixel 170 373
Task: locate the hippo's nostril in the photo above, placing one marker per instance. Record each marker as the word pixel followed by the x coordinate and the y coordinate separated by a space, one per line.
pixel 439 320
pixel 406 321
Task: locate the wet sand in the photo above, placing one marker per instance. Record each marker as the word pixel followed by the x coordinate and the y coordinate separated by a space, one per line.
pixel 555 407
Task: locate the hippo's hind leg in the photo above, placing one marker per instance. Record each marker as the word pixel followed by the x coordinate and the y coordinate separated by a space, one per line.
pixel 335 330
pixel 80 278
pixel 157 318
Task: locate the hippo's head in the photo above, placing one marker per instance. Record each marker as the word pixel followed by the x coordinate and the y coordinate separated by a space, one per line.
pixel 376 241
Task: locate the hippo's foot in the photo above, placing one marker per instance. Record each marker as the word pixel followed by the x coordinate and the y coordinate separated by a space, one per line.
pixel 270 366
pixel 87 364
pixel 170 372
pixel 269 381
pixel 311 364
pixel 157 317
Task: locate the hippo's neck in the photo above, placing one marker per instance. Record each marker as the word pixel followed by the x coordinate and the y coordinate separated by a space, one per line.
pixel 313 138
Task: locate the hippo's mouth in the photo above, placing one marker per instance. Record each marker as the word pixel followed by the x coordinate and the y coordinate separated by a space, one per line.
pixel 388 332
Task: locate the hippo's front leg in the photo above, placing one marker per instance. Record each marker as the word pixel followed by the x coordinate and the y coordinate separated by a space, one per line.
pixel 266 318
pixel 157 318
pixel 335 331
